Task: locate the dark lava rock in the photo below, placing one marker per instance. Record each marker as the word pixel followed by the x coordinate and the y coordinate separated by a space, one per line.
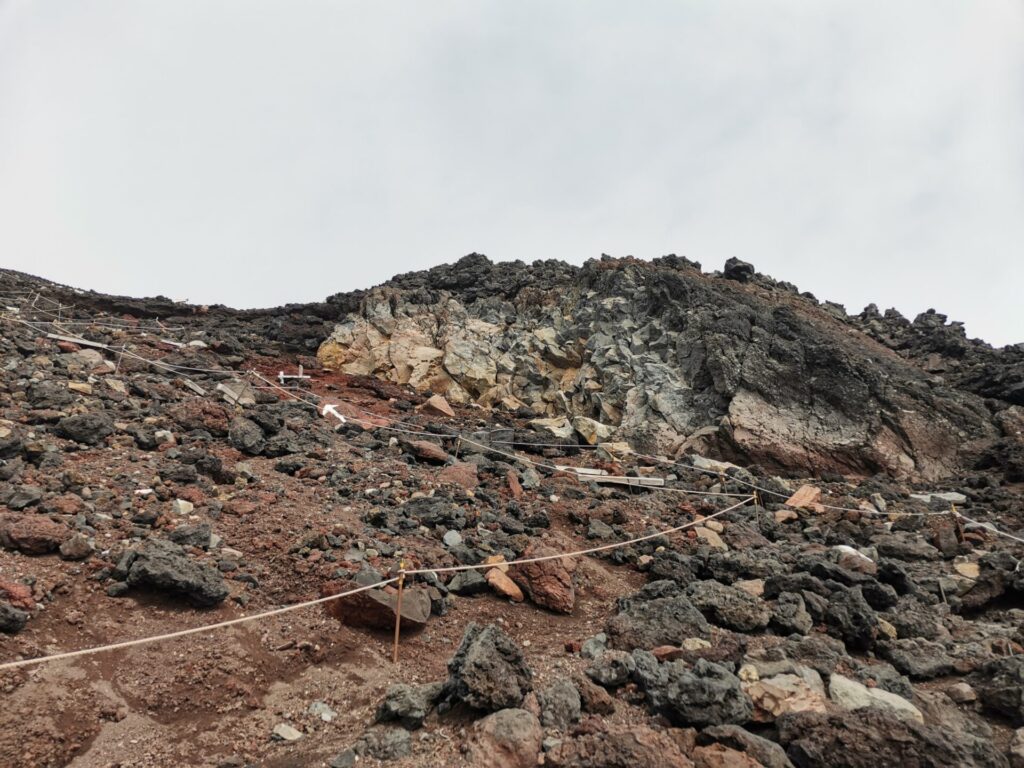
pixel 246 436
pixel 920 659
pixel 870 738
pixel 383 743
pixel 375 608
pixel 88 428
pixel 560 704
pixel 409 704
pixel 1000 685
pixel 659 614
pixel 707 694
pixel 488 671
pixel 851 618
pixel 737 270
pixel 790 614
pixel 729 607
pixel 12 620
pixel 612 668
pixel 163 566
pixel 192 535
pixel 468 583
pixel 23 497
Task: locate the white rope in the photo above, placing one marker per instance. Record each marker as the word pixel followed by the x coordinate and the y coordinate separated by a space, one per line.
pixel 991 528
pixel 580 552
pixel 184 632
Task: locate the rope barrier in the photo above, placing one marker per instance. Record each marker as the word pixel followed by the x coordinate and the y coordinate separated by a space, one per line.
pixel 184 632
pixel 581 552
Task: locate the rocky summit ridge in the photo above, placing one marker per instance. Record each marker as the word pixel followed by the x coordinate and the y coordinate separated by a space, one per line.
pixel 562 461
pixel 671 359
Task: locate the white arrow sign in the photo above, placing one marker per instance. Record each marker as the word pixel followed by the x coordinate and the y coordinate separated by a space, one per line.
pixel 333 410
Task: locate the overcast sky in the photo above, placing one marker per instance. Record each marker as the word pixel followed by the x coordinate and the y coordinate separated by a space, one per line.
pixel 254 153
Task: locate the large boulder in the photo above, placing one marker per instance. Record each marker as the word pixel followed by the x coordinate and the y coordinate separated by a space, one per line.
pixel 869 738
pixel 509 738
pixel 32 535
pixel 163 566
pixel 87 428
pixel 488 670
pixel 376 608
pixel 547 583
pixel 659 614
pixel 707 694
pixel 1000 686
pixel 12 620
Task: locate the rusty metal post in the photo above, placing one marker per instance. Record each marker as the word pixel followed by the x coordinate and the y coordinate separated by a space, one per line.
pixel 398 610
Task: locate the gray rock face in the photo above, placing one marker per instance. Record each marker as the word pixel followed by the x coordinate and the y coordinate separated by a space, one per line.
pixel 488 671
pixel 663 354
pixel 659 614
pixel 729 607
pixel 163 566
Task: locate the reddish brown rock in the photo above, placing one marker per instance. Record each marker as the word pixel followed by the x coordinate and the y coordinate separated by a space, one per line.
pixel 514 486
pixel 426 450
pixel 668 653
pixel 32 535
pixel 510 738
pixel 721 756
pixel 375 608
pixel 201 413
pixel 549 582
pixel 66 504
pixel 18 595
pixel 462 474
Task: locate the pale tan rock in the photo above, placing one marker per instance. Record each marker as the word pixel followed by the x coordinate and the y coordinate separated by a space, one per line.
pixel 805 497
pixel 968 569
pixel 503 585
pixel 80 387
pixel 753 587
pixel 785 515
pixel 710 538
pixel 498 561
pixel 437 404
pixel 782 694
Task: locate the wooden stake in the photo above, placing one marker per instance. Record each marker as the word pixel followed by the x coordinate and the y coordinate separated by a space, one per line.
pixel 398 611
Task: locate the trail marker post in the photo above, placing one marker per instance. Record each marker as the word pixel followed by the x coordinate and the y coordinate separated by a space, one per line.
pixel 282 376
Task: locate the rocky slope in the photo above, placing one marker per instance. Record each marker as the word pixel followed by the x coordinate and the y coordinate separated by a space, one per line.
pixel 149 481
pixel 669 358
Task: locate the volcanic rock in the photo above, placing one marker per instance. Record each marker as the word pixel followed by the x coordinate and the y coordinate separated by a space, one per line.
pixel 488 671
pixel 164 566
pixel 547 583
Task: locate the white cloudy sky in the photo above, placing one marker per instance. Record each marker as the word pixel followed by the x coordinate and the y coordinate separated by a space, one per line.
pixel 253 152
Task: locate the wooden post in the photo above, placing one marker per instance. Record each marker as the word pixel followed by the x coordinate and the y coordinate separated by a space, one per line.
pixel 398 610
pixel 458 447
